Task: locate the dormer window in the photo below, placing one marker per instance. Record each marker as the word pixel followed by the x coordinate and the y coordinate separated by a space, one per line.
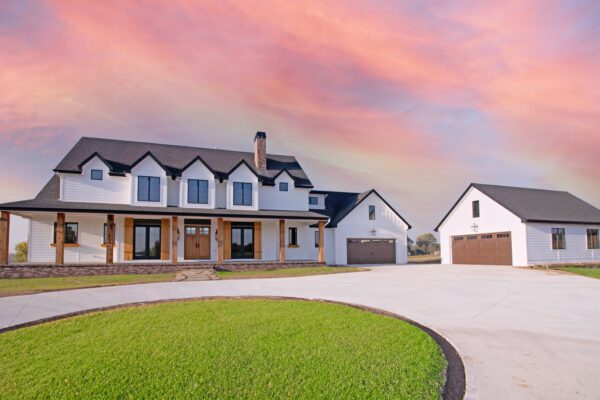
pixel 96 175
pixel 372 213
pixel 283 186
pixel 149 188
pixel 197 191
pixel 242 194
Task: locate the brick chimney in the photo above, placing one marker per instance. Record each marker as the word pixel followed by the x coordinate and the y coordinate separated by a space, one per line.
pixel 260 150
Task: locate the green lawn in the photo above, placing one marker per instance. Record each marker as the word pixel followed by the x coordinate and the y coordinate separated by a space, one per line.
pixel 425 259
pixel 589 272
pixel 13 287
pixel 225 349
pixel 287 272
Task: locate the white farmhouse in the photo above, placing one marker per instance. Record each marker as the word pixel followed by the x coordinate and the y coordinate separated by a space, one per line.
pixel 504 225
pixel 132 202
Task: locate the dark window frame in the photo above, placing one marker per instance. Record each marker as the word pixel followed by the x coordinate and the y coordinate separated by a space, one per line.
pixel 475 209
pixel 292 236
pixel 559 239
pixel 313 200
pixel 316 239
pixel 65 233
pixel 194 184
pixel 593 239
pixel 148 196
pixel 284 187
pixel 96 178
pixel 105 234
pixel 147 226
pixel 372 213
pixel 246 190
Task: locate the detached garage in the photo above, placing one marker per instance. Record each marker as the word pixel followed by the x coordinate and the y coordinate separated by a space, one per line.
pixel 502 225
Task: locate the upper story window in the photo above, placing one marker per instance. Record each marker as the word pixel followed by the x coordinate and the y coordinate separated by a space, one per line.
pixel 558 239
pixel 149 188
pixel 71 233
pixel 293 236
pixel 96 174
pixel 372 213
pixel 197 191
pixel 242 194
pixel 283 186
pixel 475 207
pixel 592 239
pixel 313 200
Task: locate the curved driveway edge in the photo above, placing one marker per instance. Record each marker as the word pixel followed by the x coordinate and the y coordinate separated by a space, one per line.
pixel 522 334
pixel 454 385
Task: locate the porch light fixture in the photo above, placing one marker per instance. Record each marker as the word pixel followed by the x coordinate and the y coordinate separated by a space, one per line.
pixel 474 227
pixel 374 232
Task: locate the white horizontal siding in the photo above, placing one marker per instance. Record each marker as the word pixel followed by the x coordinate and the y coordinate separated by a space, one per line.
pixel 271 198
pixel 539 244
pixel 81 188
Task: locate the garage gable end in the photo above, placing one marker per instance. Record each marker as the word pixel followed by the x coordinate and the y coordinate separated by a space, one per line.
pixel 382 208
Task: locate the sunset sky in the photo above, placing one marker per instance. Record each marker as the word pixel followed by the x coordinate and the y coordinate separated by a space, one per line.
pixel 416 99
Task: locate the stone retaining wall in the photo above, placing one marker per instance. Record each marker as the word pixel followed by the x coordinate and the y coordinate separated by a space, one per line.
pixel 49 270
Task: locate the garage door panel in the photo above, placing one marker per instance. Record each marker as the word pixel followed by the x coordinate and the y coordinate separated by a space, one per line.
pixel 371 251
pixel 487 249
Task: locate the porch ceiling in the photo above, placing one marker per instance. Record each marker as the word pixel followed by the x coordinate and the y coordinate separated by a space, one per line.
pixel 42 205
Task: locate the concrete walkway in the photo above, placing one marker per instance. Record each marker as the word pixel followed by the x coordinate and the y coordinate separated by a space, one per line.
pixel 523 334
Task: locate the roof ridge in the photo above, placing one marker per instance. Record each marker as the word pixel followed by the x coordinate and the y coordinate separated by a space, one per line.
pixel 179 146
pixel 518 187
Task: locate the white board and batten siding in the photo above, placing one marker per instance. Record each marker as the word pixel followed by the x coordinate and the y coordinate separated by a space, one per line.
pixel 357 225
pixel 271 198
pixel 539 244
pixel 493 218
pixel 81 187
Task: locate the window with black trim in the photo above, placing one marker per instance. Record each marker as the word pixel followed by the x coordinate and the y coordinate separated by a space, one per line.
pixel 313 200
pixel 149 188
pixel 293 236
pixel 242 194
pixel 558 239
pixel 316 239
pixel 372 213
pixel 475 206
pixel 96 174
pixel 592 239
pixel 71 233
pixel 197 191
pixel 105 236
pixel 283 186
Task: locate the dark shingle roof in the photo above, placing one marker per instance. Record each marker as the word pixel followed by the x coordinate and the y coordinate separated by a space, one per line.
pixel 120 155
pixel 538 205
pixel 339 204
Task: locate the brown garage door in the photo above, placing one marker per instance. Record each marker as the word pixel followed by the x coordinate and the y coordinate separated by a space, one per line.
pixel 487 248
pixel 371 251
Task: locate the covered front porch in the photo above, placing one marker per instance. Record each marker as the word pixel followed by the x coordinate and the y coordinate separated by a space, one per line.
pixel 73 237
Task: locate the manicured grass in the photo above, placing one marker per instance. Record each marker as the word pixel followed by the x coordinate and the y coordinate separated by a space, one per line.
pixel 223 349
pixel 589 272
pixel 426 259
pixel 286 272
pixel 13 287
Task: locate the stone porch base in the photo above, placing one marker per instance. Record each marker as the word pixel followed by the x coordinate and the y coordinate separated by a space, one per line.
pixel 50 270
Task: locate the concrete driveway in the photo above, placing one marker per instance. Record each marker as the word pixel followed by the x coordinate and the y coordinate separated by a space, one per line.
pixel 523 334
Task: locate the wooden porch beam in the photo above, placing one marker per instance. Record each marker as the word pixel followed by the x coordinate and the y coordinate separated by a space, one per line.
pixel 60 238
pixel 110 238
pixel 174 239
pixel 220 240
pixel 4 236
pixel 321 241
pixel 281 241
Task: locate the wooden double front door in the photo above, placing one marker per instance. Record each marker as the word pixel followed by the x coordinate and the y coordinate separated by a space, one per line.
pixel 197 242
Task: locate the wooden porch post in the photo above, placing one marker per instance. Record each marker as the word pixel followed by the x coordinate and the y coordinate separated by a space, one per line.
pixel 4 235
pixel 174 239
pixel 281 241
pixel 220 240
pixel 321 241
pixel 60 239
pixel 110 238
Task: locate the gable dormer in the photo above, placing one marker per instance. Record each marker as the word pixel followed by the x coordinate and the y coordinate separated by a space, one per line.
pixel 197 186
pixel 282 193
pixel 242 188
pixel 96 183
pixel 149 182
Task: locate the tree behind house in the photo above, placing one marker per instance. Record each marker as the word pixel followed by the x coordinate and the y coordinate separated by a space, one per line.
pixel 21 252
pixel 426 244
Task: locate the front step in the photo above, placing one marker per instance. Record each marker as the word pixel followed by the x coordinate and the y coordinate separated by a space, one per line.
pixel 196 275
